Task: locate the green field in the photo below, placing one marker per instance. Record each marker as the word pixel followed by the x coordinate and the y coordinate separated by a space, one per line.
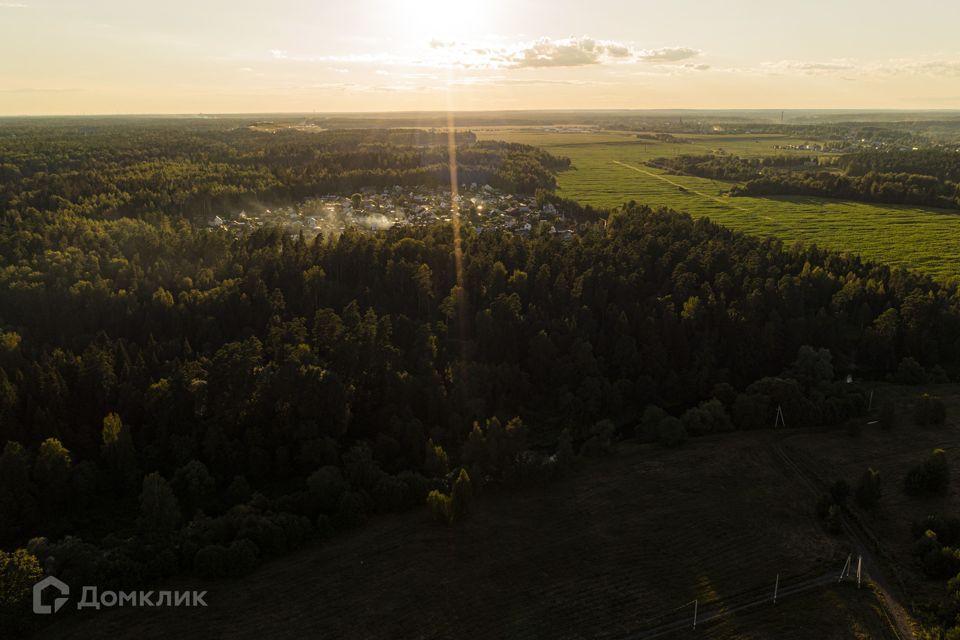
pixel 609 170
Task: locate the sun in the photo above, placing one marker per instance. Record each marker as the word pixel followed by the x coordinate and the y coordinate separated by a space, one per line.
pixel 442 21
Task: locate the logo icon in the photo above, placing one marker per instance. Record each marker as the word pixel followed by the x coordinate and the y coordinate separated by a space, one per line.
pixel 40 587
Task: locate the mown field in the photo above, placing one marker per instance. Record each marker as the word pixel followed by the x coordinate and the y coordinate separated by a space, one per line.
pixel 614 552
pixel 609 170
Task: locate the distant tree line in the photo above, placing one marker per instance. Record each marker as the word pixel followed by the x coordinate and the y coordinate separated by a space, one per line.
pixel 891 188
pixel 104 171
pixel 731 168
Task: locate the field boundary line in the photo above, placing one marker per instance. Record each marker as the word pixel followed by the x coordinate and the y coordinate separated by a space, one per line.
pixel 680 186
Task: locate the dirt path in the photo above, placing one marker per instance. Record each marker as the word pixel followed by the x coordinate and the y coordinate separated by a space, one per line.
pixel 680 186
pixel 717 610
pixel 899 619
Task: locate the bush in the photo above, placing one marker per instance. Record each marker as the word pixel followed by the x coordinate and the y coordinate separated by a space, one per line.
pixel 709 417
pixel 238 492
pixel 946 530
pixel 868 491
pixel 212 561
pixel 436 464
pixel 834 519
pixel 910 372
pixel 389 494
pixel 601 437
pixel 462 496
pixel 752 411
pixel 932 477
pixel 243 556
pixel 566 459
pixel 440 506
pixel 929 411
pixel 671 432
pixel 839 492
pixel 417 487
pixel 351 510
pixel 648 429
pixel 941 563
pixel 19 570
pixel 328 485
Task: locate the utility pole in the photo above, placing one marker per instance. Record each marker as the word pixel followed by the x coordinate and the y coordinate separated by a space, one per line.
pixel 846 568
pixel 695 602
pixel 859 564
pixel 776 587
pixel 779 420
pixel 870 404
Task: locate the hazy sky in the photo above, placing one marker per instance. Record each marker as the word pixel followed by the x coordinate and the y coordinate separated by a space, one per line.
pixel 215 56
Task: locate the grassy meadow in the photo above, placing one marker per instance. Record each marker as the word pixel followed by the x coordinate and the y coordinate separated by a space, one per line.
pixel 618 551
pixel 609 170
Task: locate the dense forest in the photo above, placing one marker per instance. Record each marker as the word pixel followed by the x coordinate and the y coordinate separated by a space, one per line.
pixel 892 188
pixel 941 164
pixel 732 168
pixel 924 178
pixel 120 169
pixel 180 399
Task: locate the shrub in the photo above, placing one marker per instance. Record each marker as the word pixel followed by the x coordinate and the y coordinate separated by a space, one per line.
pixel 243 556
pixel 351 510
pixel 868 491
pixel 19 570
pixel 440 506
pixel 709 417
pixel 839 492
pixel 931 477
pixel 648 429
pixel 566 459
pixel 671 432
pixel 389 494
pixel 417 487
pixel 436 464
pixel 238 492
pixel 941 563
pixel 600 439
pixel 910 372
pixel 929 411
pixel 462 496
pixel 328 485
pixel 211 561
pixel 752 411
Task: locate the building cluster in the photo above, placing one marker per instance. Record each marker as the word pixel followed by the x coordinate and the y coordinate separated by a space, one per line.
pixel 486 208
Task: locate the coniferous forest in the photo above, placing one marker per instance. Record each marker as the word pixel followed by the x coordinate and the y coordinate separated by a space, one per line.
pixel 181 399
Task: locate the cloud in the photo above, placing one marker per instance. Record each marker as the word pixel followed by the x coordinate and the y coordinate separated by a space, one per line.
pixel 574 52
pixel 807 68
pixel 668 54
pixel 880 68
pixel 536 54
pixel 13 5
pixel 925 67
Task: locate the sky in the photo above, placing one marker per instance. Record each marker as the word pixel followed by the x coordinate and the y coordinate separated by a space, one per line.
pixel 219 56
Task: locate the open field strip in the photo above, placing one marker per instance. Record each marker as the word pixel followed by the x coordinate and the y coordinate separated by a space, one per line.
pixel 923 239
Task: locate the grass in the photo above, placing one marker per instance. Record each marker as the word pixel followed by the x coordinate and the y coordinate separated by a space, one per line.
pixel 629 538
pixel 609 170
pixel 892 453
